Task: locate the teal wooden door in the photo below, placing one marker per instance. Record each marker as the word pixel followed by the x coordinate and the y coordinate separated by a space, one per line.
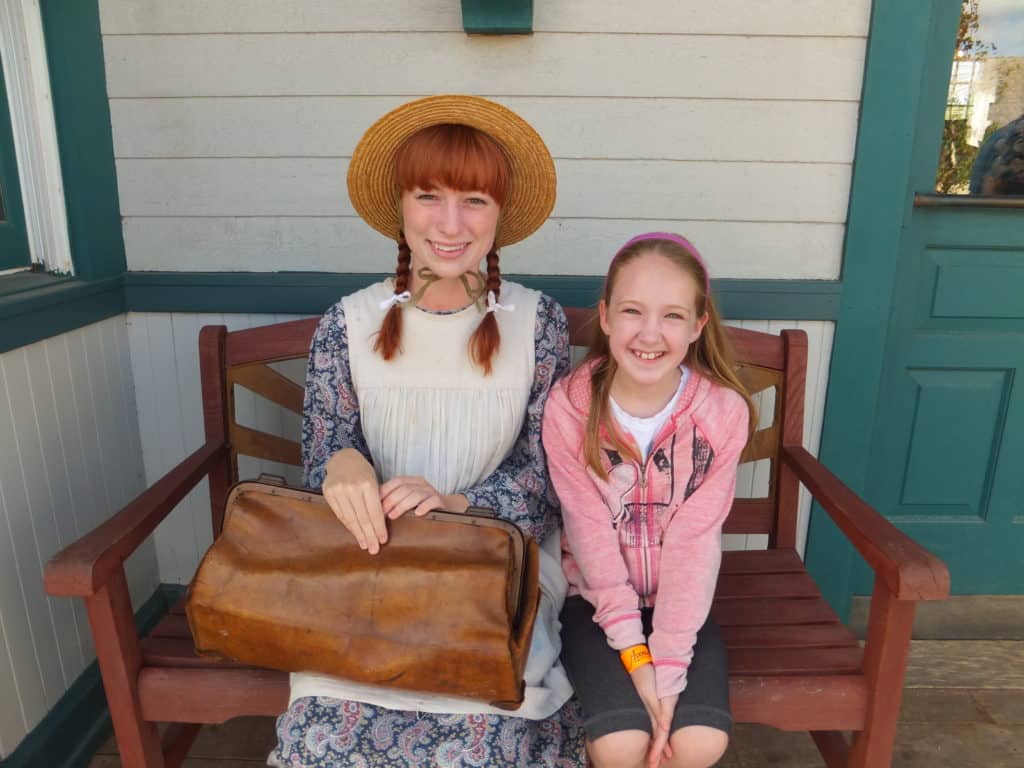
pixel 925 410
pixel 948 467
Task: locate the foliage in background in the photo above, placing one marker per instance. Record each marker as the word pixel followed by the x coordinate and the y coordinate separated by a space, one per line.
pixel 956 156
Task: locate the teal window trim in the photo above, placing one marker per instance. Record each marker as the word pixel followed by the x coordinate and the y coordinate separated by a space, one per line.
pixel 13 236
pixel 497 17
pixel 74 49
pixel 26 282
pixel 57 307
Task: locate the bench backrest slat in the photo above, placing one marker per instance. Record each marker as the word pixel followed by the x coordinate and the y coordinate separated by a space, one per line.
pixel 774 364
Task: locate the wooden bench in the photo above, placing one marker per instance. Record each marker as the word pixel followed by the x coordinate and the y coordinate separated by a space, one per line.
pixel 793 664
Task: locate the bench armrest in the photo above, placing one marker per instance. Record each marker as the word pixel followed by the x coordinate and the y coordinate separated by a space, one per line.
pixel 85 565
pixel 909 570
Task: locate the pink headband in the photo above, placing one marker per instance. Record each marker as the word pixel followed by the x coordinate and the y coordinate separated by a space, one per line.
pixel 679 240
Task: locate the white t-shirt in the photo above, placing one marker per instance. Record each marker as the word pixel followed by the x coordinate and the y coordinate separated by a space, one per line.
pixel 644 429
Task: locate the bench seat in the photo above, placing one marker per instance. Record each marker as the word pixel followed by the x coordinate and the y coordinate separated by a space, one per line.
pixel 774 620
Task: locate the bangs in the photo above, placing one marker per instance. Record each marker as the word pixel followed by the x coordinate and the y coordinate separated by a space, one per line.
pixel 453 156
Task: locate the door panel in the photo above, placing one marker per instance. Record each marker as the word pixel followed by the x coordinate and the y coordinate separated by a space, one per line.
pixel 973 284
pixel 950 425
pixel 954 440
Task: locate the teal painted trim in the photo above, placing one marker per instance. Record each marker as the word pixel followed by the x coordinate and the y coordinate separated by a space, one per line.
pixel 36 307
pixel 13 236
pixel 904 80
pixel 74 50
pixel 497 17
pixel 310 293
pixel 23 282
pixel 72 731
pixel 38 314
pixel 777 299
pixel 299 293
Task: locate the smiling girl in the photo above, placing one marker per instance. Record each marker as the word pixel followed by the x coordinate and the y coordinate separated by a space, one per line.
pixel 643 441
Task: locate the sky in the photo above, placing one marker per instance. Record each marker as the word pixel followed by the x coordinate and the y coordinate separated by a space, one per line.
pixel 1002 22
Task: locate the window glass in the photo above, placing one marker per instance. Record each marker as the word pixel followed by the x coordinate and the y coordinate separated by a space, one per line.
pixel 983 137
pixel 13 241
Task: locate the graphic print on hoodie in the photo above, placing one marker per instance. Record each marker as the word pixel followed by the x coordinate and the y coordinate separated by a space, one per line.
pixel 640 520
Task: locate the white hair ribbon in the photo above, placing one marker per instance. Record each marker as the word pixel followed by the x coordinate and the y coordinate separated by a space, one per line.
pixel 397 298
pixel 494 306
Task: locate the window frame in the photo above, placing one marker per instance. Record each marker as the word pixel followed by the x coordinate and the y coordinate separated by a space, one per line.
pixel 71 202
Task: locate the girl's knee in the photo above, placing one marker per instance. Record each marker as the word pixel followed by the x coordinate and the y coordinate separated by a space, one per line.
pixel 621 748
pixel 697 746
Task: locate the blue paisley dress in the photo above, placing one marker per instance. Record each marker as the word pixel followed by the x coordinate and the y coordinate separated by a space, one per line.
pixel 321 732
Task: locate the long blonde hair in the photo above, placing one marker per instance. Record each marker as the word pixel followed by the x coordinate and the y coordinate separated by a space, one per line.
pixel 711 354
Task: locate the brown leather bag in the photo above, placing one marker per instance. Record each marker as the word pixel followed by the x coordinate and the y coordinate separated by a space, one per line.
pixel 447 605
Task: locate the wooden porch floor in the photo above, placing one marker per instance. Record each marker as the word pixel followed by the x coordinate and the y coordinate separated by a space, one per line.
pixel 963 706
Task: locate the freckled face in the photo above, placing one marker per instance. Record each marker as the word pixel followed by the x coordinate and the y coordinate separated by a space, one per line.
pixel 651 320
pixel 449 230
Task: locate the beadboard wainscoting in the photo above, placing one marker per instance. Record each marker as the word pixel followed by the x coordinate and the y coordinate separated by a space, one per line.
pixel 70 457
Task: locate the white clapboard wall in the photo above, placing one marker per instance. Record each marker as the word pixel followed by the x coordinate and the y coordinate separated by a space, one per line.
pixel 69 458
pixel 165 362
pixel 732 122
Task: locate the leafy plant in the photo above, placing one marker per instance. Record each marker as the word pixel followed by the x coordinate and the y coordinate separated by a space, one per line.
pixel 956 156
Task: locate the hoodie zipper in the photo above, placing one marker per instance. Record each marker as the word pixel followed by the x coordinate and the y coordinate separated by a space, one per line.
pixel 645 554
pixel 666 433
pixel 645 559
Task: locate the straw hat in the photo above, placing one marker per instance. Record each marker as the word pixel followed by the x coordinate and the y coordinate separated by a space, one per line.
pixel 531 194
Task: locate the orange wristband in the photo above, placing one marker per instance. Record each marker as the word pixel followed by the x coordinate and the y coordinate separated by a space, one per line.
pixel 635 657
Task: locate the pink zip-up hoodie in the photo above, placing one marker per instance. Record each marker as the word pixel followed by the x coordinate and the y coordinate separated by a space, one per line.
pixel 652 534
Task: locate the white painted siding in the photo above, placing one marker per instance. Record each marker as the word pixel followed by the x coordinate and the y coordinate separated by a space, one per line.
pixel 731 122
pixel 165 363
pixel 780 17
pixel 70 458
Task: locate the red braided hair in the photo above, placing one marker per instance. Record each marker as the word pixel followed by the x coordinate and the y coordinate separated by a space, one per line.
pixel 389 339
pixel 486 339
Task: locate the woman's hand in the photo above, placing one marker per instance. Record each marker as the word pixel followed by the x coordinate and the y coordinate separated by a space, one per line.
pixel 659 745
pixel 350 488
pixel 402 494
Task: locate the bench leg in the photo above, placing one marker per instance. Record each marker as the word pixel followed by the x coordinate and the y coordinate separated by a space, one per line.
pixel 833 747
pixel 177 742
pixel 120 658
pixel 885 662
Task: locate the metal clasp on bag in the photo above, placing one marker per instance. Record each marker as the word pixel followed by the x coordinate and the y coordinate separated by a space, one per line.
pixel 269 479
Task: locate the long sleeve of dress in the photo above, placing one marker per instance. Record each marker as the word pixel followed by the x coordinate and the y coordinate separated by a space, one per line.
pixel 330 413
pixel 519 488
